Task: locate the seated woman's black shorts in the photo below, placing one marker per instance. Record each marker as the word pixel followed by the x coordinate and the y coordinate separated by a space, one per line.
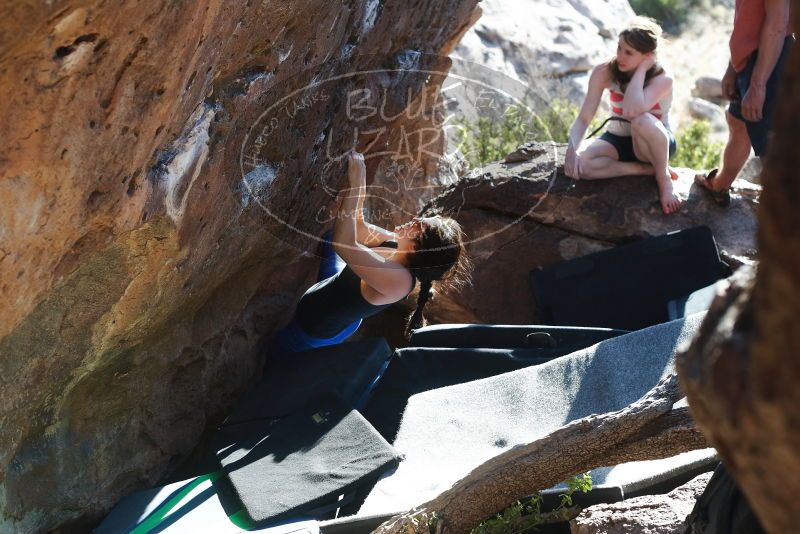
pixel 624 145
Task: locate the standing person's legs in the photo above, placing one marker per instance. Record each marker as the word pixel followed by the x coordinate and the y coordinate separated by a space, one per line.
pixel 742 134
pixel 651 144
pixel 734 156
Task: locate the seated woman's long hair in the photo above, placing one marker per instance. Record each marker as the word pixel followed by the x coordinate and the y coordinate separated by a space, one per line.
pixel 440 257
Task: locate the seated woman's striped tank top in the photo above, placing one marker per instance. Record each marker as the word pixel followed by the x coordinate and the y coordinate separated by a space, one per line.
pixel 617 100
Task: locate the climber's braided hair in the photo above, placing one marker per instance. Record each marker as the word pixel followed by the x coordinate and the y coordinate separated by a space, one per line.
pixel 438 256
pixel 643 34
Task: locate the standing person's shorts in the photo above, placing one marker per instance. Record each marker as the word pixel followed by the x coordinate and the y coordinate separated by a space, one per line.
pixel 624 145
pixel 759 131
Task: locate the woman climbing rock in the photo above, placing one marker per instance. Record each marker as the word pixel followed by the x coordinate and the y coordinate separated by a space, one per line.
pixel 366 268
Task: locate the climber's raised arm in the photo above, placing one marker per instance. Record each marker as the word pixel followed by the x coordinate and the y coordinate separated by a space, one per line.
pixel 388 278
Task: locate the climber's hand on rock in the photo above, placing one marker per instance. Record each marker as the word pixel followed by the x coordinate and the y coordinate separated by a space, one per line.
pixel 356 170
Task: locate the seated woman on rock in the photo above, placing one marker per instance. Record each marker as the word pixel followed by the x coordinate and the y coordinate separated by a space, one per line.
pixel 367 268
pixel 638 139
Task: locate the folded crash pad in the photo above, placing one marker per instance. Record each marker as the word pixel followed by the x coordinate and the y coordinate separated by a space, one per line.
pixel 417 369
pixel 303 462
pixel 447 432
pixel 630 286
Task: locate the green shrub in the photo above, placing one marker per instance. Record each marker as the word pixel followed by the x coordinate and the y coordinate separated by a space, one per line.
pixel 695 151
pixel 526 516
pixel 671 14
pixel 486 140
pixel 553 123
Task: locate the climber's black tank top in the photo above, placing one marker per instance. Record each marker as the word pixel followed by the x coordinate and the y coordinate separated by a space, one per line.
pixel 333 304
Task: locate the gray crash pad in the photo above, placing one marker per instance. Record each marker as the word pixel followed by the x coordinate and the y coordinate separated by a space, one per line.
pixel 447 432
pixel 302 463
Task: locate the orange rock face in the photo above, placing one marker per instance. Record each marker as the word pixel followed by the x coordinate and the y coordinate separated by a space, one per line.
pixel 144 259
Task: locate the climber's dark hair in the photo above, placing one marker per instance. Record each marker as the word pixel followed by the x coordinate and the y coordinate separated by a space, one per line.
pixel 438 257
pixel 643 34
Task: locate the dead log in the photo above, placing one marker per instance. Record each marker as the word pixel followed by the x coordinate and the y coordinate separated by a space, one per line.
pixel 645 430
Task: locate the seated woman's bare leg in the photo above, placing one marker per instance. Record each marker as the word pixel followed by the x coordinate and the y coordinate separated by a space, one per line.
pixel 651 144
pixel 599 159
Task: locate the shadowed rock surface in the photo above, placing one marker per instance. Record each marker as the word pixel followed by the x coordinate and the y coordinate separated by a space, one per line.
pixel 138 268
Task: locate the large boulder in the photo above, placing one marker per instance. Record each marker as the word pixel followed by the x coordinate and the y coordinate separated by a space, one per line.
pixel 708 88
pixel 519 216
pixel 702 109
pixel 159 202
pixel 532 40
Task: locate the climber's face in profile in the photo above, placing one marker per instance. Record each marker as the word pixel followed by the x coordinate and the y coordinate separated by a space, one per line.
pixel 628 58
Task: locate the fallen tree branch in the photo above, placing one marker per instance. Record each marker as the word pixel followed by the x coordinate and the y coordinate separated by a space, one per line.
pixel 648 429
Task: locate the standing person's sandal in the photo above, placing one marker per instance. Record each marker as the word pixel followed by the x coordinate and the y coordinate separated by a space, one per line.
pixel 720 198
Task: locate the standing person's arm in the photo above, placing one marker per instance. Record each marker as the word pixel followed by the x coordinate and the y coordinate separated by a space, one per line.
pixel 729 84
pixel 597 82
pixel 773 33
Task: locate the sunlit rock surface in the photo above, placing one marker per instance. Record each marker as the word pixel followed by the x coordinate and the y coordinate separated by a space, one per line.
pixel 650 514
pixel 534 39
pixel 154 228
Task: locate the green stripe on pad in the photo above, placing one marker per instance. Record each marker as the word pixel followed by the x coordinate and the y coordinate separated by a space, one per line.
pixel 159 514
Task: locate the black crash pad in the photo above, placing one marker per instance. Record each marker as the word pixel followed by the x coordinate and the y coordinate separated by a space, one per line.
pixel 303 462
pixel 347 369
pixel 628 287
pixel 565 339
pixel 417 369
